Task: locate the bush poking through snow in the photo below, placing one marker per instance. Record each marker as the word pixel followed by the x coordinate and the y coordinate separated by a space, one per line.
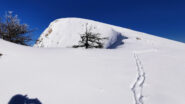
pixel 90 39
pixel 11 30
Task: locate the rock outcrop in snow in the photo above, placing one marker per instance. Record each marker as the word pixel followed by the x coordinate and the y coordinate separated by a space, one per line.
pixel 66 33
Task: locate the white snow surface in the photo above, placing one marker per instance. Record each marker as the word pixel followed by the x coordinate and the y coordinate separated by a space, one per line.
pixel 146 70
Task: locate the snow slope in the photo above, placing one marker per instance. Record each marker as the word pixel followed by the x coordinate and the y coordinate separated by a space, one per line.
pixel 146 70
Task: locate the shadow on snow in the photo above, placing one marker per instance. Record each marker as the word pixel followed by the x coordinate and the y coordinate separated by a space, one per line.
pixel 118 42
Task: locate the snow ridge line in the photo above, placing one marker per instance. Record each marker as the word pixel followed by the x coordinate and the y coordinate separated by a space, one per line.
pixel 137 88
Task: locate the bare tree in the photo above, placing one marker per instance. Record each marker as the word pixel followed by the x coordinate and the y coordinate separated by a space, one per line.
pixel 11 30
pixel 90 39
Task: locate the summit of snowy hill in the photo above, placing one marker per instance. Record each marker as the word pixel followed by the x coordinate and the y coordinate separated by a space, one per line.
pixel 66 33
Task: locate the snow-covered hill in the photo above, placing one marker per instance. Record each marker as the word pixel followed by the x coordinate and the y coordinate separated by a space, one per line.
pixel 66 32
pixel 144 70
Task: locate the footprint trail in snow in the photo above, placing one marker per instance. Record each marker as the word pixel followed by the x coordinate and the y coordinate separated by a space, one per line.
pixel 137 88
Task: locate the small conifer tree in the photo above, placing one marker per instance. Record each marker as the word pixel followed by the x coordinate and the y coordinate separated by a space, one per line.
pixel 90 39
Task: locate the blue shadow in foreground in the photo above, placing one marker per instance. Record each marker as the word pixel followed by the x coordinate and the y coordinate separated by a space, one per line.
pixel 20 99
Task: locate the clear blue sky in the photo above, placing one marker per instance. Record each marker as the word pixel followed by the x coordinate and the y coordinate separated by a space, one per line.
pixel 164 18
